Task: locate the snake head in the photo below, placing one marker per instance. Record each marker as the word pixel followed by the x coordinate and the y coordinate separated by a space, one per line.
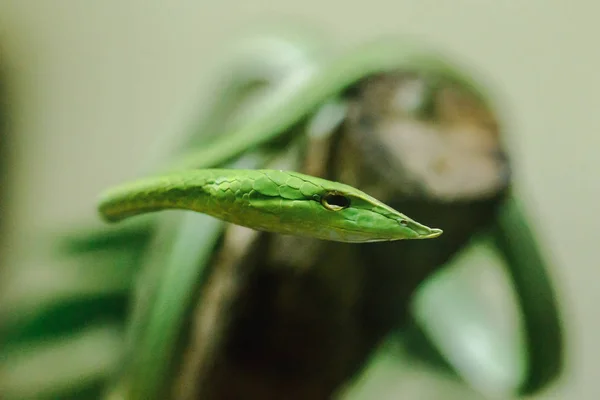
pixel 335 211
pixel 357 217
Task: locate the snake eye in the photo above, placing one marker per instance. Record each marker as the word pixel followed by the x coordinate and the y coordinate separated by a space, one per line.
pixel 335 202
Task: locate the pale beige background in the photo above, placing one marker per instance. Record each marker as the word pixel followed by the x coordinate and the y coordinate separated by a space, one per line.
pixel 95 83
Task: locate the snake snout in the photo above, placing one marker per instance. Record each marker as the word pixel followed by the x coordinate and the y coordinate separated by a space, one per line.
pixel 421 231
pixel 433 233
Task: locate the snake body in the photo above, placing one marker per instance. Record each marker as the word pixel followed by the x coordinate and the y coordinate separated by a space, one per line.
pixel 328 80
pixel 276 201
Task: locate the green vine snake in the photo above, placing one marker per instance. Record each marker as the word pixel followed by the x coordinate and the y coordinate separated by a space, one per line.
pixel 269 200
pixel 297 80
pixel 212 176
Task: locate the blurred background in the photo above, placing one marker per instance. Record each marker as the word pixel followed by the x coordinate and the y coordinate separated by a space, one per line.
pixel 92 85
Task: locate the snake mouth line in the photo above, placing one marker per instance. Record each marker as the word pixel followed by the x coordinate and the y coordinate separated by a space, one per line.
pixel 433 233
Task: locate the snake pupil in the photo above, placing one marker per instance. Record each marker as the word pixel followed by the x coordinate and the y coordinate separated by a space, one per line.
pixel 335 202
